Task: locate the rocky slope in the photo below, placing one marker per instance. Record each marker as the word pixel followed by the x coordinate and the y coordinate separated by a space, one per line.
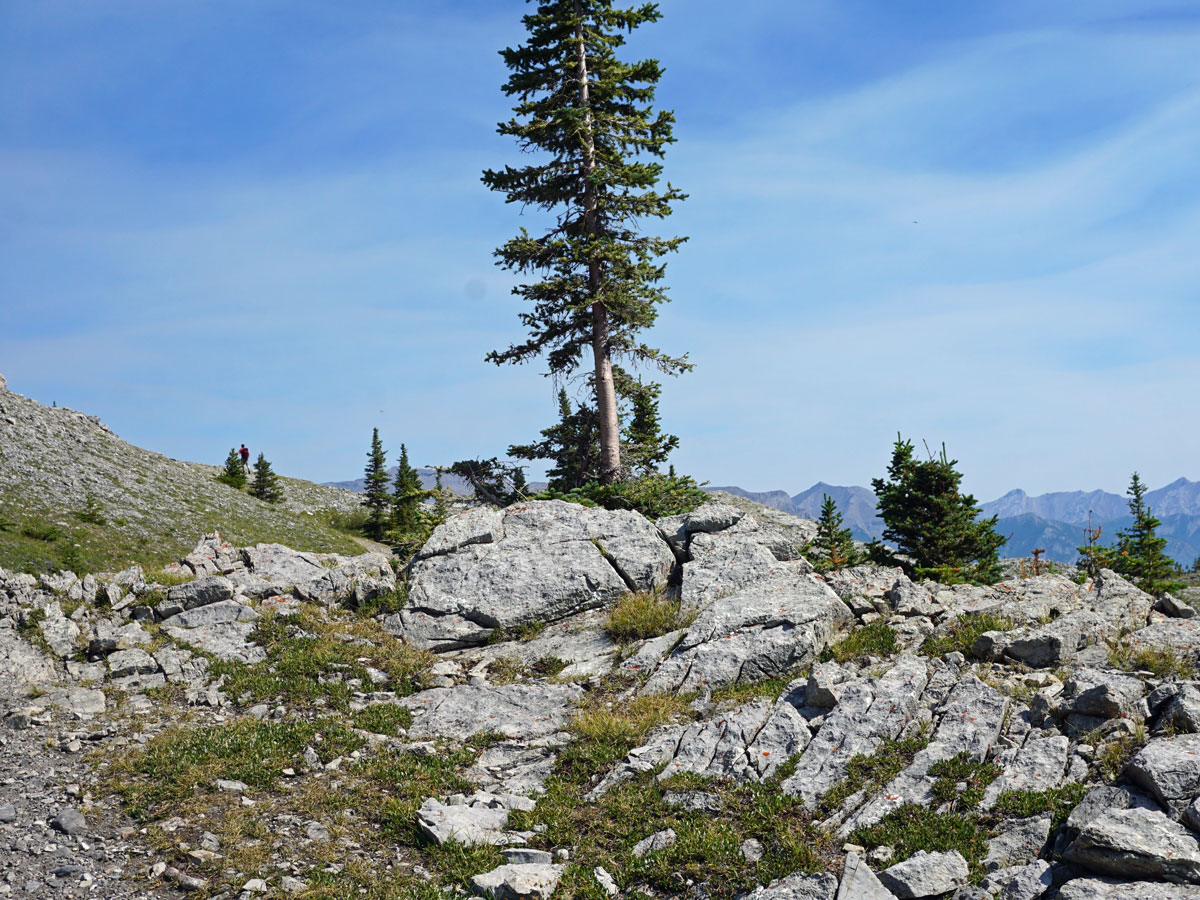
pixel 73 494
pixel 564 701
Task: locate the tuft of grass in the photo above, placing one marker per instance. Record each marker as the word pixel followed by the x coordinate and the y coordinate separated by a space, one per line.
pixel 1112 756
pixel 876 639
pixel 506 670
pixel 523 633
pixel 746 692
pixel 1163 662
pixel 548 666
pixel 964 632
pixel 645 614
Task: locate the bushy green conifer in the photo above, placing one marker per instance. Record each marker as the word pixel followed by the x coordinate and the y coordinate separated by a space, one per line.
pixel 234 473
pixel 266 484
pixel 375 491
pixel 936 528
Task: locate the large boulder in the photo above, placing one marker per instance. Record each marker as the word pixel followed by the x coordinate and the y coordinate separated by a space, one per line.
pixel 761 631
pixel 1137 843
pixel 521 711
pixel 542 562
pixel 1169 769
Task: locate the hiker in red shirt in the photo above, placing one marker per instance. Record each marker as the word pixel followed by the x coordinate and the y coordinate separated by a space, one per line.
pixel 245 455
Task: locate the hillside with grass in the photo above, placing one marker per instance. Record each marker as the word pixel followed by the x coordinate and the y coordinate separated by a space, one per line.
pixel 73 495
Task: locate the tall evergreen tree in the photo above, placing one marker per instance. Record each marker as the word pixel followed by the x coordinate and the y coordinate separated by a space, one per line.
pixel 265 485
pixel 234 473
pixel 936 528
pixel 833 547
pixel 588 115
pixel 375 491
pixel 408 497
pixel 1141 555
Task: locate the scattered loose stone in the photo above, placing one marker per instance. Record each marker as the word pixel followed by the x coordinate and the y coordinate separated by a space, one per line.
pixel 69 821
pixel 660 840
pixel 925 875
pixel 516 882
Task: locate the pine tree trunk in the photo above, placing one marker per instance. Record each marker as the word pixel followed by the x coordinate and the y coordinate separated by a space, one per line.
pixel 606 395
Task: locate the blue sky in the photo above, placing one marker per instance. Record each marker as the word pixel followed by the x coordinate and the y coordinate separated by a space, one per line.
pixel 972 223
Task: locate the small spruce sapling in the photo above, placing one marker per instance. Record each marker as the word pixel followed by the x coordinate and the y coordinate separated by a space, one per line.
pixel 234 473
pixel 375 492
pixel 833 547
pixel 1140 552
pixel 266 483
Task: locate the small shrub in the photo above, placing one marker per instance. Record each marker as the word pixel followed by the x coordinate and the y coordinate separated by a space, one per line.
pixel 963 632
pixel 91 513
pixel 876 639
pixel 654 495
pixel 41 531
pixel 645 614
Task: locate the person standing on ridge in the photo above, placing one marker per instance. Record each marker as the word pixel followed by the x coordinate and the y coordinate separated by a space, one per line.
pixel 245 455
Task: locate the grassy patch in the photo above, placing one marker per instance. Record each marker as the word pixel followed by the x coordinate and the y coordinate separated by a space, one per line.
pixel 1163 662
pixel 911 828
pixel 707 847
pixel 876 639
pixel 523 633
pixel 1112 756
pixel 964 632
pixel 874 771
pixel 382 718
pixel 309 658
pixel 645 614
pixel 605 731
pixel 767 689
pixel 506 670
pixel 961 769
pixel 173 766
pixel 1057 801
pixel 548 666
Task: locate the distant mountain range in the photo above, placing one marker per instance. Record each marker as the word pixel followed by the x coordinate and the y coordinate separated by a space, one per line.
pixel 1053 521
pixel 428 480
